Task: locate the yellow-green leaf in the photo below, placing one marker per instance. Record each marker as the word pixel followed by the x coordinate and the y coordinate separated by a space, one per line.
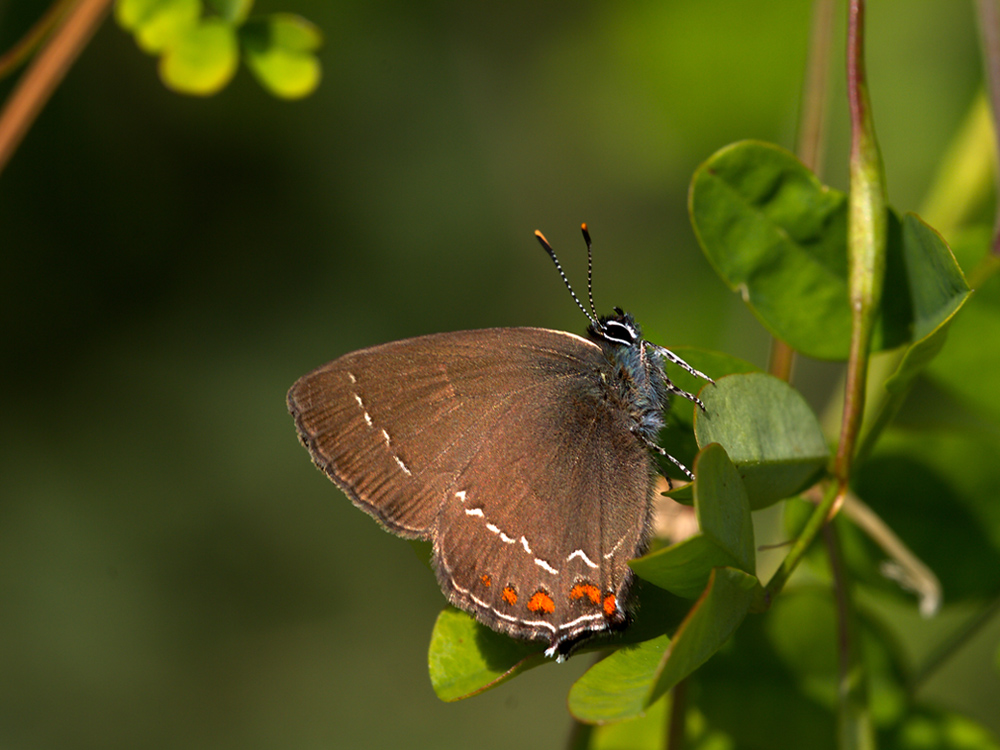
pixel 202 60
pixel 279 51
pixel 157 24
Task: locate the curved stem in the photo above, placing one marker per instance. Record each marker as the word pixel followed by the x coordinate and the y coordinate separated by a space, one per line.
pixel 908 570
pixel 866 241
pixel 27 44
pixel 46 72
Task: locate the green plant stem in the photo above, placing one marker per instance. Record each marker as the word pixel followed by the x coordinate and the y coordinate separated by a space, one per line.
pixel 866 248
pixel 677 716
pixel 853 719
pixel 866 240
pixel 799 547
pixel 46 71
pixel 955 194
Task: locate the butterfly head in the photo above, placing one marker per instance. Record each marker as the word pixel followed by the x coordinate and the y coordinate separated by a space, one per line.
pixel 619 329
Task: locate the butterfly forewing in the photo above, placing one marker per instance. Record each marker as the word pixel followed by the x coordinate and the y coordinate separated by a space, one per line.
pixel 507 449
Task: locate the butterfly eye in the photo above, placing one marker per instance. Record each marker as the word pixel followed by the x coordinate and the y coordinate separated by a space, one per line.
pixel 619 332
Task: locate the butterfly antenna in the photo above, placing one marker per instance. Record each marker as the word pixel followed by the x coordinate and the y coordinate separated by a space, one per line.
pixel 590 268
pixel 552 254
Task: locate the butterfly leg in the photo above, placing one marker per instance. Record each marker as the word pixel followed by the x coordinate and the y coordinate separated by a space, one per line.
pixel 656 447
pixel 667 354
pixel 680 392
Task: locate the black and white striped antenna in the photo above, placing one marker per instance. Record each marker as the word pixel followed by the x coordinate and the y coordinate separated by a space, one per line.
pixel 552 254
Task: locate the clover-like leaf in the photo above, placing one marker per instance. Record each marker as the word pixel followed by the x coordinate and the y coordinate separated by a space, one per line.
pixel 279 51
pixel 619 687
pixel 233 11
pixel 777 235
pixel 683 568
pixel 723 509
pixel 631 679
pixel 726 537
pixel 157 24
pixel 644 732
pixel 677 439
pixel 466 658
pixel 936 283
pixel 202 59
pixel 769 432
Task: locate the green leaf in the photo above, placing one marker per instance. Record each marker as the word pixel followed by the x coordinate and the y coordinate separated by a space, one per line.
pixel 631 679
pixel 969 365
pixel 157 24
pixel 202 60
pixel 712 363
pixel 711 622
pixel 939 291
pixel 619 687
pixel 677 438
pixel 279 53
pixel 769 432
pixel 726 537
pixel 936 283
pixel 720 500
pixel 776 235
pixel 683 568
pixel 233 11
pixel 642 733
pixel 466 658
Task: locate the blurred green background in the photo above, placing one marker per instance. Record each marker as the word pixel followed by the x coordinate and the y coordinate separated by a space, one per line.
pixel 173 572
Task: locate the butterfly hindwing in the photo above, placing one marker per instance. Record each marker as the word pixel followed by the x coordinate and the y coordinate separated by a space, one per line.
pixel 509 449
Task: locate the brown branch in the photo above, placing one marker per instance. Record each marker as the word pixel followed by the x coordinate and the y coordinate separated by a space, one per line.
pixel 46 72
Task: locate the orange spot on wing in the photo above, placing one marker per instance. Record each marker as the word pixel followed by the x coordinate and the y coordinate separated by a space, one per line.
pixel 542 602
pixel 508 595
pixel 585 590
pixel 486 579
pixel 610 605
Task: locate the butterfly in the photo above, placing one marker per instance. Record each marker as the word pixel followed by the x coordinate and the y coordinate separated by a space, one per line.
pixel 524 455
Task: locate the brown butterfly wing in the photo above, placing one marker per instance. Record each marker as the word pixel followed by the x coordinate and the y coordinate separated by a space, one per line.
pixel 508 449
